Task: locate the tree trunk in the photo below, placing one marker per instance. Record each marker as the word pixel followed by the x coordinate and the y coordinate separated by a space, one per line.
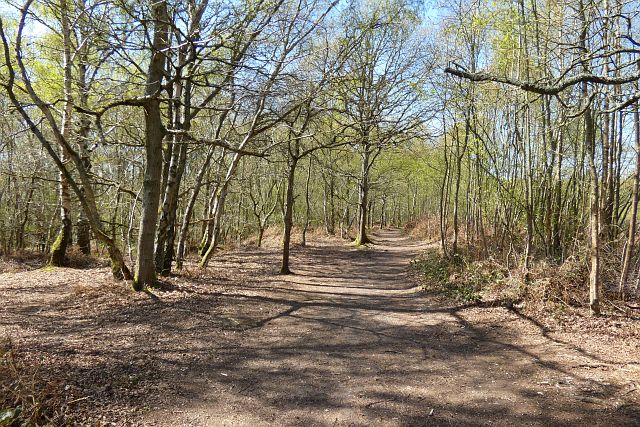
pixel 590 147
pixel 154 134
pixel 260 236
pixel 307 207
pixel 556 230
pixel 219 209
pixel 456 196
pixel 188 213
pixel 594 276
pixel 363 196
pixel 210 209
pixel 288 217
pixel 64 239
pixel 631 238
pixel 443 195
pixel 166 227
pixel 83 227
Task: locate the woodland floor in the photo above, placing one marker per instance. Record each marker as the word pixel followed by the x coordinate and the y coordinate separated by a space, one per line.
pixel 350 340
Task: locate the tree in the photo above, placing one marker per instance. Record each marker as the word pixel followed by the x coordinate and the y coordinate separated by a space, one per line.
pixel 260 108
pixel 380 94
pixel 16 67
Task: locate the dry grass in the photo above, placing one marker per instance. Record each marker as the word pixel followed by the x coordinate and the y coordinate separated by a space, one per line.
pixel 550 288
pixel 26 398
pixel 22 261
pixel 427 228
pixel 30 260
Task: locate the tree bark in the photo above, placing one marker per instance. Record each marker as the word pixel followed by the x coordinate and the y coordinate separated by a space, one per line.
pixel 363 196
pixel 631 237
pixel 288 217
pixel 64 239
pixel 154 134
pixel 307 207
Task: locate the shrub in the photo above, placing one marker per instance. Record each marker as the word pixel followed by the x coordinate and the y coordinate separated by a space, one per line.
pixel 447 276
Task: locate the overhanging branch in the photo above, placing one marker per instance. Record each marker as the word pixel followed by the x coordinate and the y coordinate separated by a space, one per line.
pixel 542 88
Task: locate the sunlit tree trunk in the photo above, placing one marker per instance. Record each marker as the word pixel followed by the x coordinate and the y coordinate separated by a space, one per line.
pixel 154 134
pixel 64 239
pixel 363 195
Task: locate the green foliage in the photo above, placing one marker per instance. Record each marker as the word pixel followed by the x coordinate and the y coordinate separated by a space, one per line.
pixel 9 415
pixel 433 266
pixel 451 276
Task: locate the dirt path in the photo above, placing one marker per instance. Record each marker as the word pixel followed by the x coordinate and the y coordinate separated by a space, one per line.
pixel 347 341
pixel 355 344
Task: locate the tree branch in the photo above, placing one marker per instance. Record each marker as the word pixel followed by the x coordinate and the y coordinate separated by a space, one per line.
pixel 542 88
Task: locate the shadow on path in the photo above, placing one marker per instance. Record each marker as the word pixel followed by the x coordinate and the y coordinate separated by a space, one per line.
pixel 349 340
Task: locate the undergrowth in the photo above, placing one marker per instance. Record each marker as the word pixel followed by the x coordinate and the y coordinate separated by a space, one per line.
pixel 553 288
pixel 26 398
pixel 24 260
pixel 495 274
pixel 470 281
pixel 442 275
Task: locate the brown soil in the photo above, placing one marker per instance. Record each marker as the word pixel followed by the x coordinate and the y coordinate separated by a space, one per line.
pixel 349 341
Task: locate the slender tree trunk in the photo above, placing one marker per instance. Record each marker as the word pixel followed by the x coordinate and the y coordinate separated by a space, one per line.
pixel 363 202
pixel 594 277
pixel 288 217
pixel 631 238
pixel 590 147
pixel 443 195
pixel 213 232
pixel 218 207
pixel 456 195
pixel 166 227
pixel 483 234
pixel 171 229
pixel 83 228
pixel 307 206
pixel 188 213
pixel 556 230
pixel 210 209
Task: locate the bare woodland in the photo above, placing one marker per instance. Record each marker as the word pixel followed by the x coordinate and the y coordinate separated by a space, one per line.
pixel 177 141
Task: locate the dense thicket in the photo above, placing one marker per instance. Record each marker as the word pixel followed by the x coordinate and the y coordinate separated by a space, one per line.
pixel 158 131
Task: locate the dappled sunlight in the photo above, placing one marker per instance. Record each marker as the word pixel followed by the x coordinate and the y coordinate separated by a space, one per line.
pixel 361 347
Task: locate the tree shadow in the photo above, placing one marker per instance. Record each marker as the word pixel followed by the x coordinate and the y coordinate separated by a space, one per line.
pixel 297 353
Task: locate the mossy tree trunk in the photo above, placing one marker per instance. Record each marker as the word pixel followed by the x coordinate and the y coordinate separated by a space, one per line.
pixel 64 238
pixel 59 247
